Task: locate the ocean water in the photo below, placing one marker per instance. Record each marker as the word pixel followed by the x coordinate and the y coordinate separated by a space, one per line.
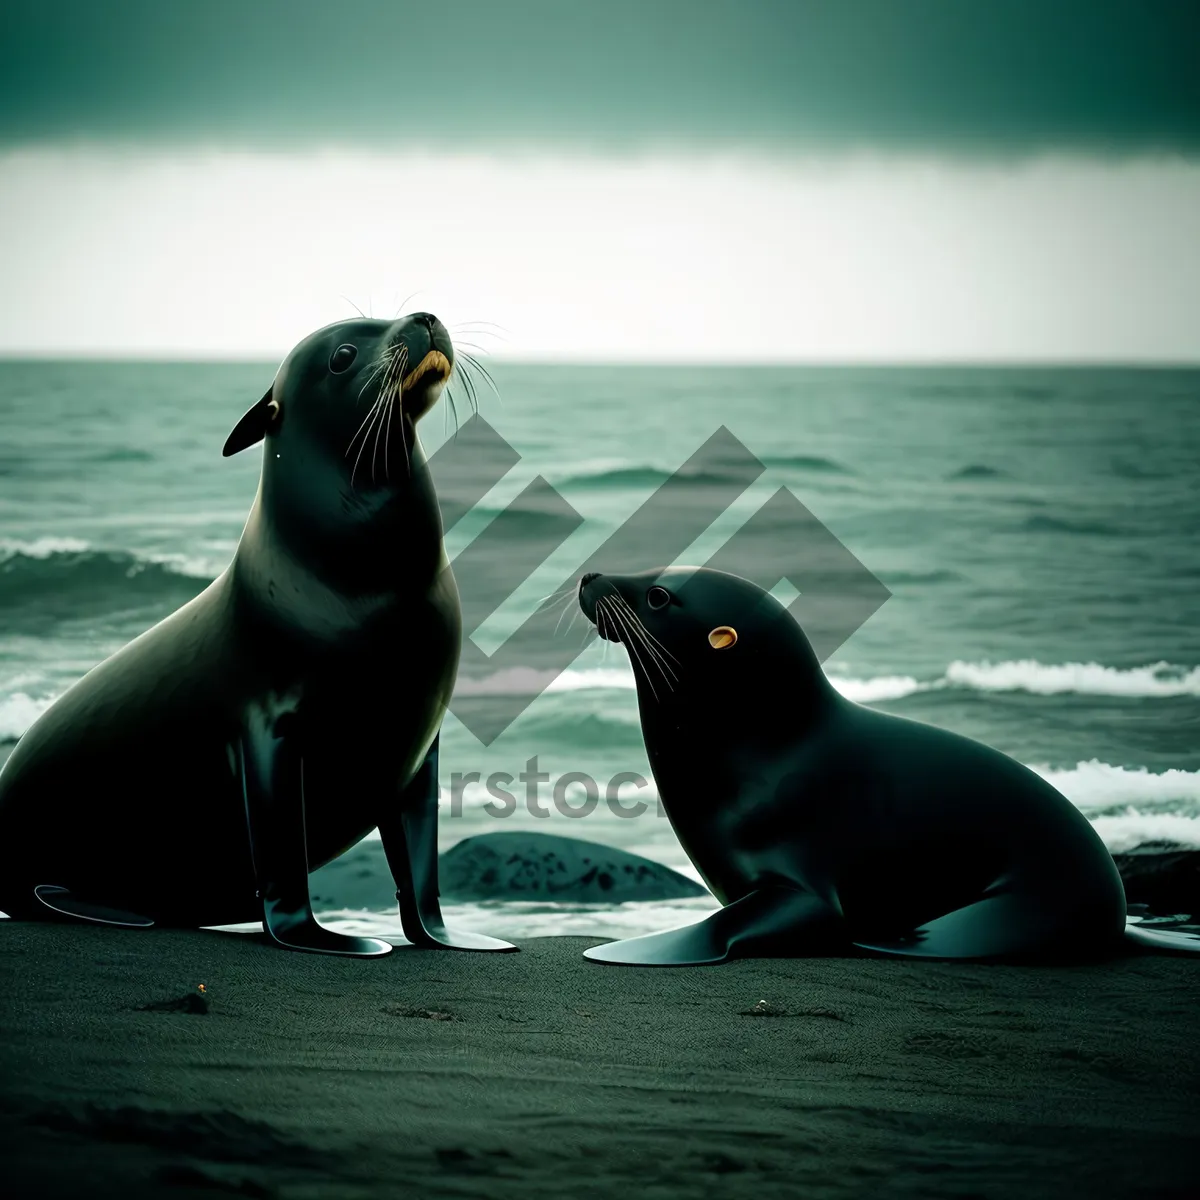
pixel 1036 529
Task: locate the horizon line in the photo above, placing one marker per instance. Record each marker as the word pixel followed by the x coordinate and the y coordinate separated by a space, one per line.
pixel 142 358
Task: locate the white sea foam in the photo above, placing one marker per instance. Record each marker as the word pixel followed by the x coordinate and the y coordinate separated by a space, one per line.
pixel 1087 679
pixel 1157 680
pixel 881 687
pixel 186 564
pixel 527 919
pixel 17 712
pixel 1133 829
pixel 1096 784
pixel 42 547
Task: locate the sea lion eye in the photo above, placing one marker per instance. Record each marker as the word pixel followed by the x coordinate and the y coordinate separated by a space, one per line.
pixel 342 357
pixel 722 637
pixel 658 597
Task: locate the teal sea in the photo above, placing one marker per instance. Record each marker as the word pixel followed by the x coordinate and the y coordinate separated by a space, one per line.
pixel 1036 528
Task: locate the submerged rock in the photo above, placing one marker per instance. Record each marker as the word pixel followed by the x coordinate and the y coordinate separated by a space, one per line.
pixel 542 866
pixel 506 866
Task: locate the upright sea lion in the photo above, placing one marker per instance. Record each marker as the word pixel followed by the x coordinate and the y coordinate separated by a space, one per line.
pixel 198 775
pixel 821 824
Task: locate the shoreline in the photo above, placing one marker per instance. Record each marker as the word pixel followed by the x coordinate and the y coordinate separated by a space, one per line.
pixel 539 1074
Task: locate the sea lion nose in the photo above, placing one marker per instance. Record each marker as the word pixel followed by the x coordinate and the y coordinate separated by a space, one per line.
pixel 588 578
pixel 426 319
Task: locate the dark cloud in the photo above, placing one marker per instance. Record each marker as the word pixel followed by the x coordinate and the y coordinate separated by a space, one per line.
pixel 1002 77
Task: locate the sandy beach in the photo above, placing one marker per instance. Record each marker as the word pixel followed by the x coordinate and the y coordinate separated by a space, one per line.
pixel 538 1074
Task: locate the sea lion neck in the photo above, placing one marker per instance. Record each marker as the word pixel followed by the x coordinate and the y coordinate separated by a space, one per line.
pixel 329 579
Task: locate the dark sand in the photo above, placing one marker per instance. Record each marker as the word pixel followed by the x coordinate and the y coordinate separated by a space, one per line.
pixel 315 1076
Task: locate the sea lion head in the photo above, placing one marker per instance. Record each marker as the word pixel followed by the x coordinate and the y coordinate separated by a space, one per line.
pixel 343 474
pixel 349 397
pixel 696 636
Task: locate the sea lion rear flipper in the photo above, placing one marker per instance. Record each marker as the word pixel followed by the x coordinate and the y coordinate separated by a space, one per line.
pixel 1175 935
pixel 409 834
pixel 1003 925
pixel 769 921
pixel 273 782
pixel 64 903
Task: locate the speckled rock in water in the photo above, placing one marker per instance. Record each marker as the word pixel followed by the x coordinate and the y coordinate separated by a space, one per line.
pixel 541 866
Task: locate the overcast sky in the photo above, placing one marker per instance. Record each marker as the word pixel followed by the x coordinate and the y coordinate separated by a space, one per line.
pixel 857 180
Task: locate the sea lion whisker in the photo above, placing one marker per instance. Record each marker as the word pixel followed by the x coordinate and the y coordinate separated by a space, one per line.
pixel 376 411
pixel 478 366
pixel 562 591
pixel 403 440
pixel 468 385
pixel 385 396
pixel 479 321
pixel 358 458
pixel 451 400
pixel 465 347
pixel 602 618
pixel 378 430
pixel 642 626
pixel 376 367
pixel 395 395
pixel 666 653
pixel 651 640
pixel 631 645
pixel 471 393
pixel 639 630
pixel 353 306
pixel 571 622
pixel 602 611
pixel 558 599
pixel 382 363
pixel 565 606
pixel 375 408
pixel 403 302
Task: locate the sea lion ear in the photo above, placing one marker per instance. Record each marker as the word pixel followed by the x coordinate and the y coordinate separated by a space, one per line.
pixel 722 637
pixel 253 426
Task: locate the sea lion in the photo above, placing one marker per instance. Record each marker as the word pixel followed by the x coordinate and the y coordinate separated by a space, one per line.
pixel 198 775
pixel 820 824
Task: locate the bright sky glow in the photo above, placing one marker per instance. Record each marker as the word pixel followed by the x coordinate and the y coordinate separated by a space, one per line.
pixel 189 254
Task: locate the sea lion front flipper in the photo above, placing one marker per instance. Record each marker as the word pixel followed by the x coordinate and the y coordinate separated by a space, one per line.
pixel 62 902
pixel 273 783
pixel 772 921
pixel 409 834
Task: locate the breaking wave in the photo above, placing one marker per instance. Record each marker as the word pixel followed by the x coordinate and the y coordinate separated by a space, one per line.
pixel 1086 679
pixel 61 577
pixel 1158 680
